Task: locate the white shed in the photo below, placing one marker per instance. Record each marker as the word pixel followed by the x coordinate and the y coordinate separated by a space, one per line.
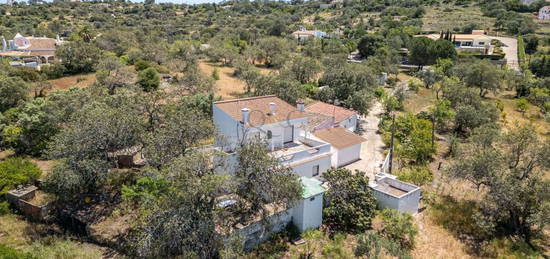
pixel 394 194
pixel 346 145
pixel 308 213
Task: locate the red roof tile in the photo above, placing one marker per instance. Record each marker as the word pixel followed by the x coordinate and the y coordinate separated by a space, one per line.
pixel 260 111
pixel 339 113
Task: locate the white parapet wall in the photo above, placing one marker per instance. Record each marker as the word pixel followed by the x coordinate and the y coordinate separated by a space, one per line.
pixel 394 194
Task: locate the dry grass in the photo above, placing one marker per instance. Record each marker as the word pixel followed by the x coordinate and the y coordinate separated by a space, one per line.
pixel 436 19
pixel 510 116
pixel 229 86
pixel 420 101
pixel 70 81
pixel 434 241
pixel 16 232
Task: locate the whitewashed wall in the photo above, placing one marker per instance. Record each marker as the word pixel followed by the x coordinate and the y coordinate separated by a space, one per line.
pixel 350 123
pixel 348 155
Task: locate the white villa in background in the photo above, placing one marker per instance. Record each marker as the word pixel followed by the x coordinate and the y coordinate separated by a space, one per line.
pixel 544 13
pixel 477 41
pixel 303 34
pixel 30 51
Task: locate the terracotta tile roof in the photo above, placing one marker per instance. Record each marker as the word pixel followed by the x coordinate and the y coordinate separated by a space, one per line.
pixel 260 111
pixel 41 44
pixel 339 137
pixel 339 113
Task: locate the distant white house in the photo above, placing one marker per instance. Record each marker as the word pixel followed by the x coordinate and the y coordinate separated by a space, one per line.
pixel 476 42
pixel 30 51
pixel 544 13
pixel 341 116
pixel 303 34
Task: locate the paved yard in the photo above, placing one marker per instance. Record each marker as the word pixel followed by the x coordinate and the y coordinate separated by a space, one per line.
pixel 510 48
pixel 371 151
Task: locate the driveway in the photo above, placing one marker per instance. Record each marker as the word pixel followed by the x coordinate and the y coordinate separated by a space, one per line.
pixel 510 48
pixel 372 150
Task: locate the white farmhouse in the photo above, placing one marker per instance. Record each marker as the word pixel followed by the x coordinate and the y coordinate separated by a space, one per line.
pixel 280 125
pixel 341 116
pixel 544 13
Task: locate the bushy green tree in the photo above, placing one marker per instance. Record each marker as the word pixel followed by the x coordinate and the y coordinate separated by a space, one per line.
pixel 13 91
pixel 349 202
pixel 414 138
pixel 480 74
pixel 78 57
pixel 511 169
pixel 399 227
pixel 149 79
pixel 369 44
pixel 262 181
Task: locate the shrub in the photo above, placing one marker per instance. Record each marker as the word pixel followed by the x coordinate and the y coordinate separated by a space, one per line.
pixel 398 227
pixel 216 74
pixel 16 171
pixel 142 65
pixel 380 92
pixel 4 208
pixel 522 105
pixel 149 79
pixel 372 245
pixel 414 85
pixel 10 253
pixel 146 189
pixel 418 175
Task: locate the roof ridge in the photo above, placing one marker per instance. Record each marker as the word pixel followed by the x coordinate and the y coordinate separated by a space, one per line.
pixel 244 99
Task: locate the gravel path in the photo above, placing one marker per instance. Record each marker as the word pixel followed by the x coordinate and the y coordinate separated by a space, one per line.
pixel 510 48
pixel 372 150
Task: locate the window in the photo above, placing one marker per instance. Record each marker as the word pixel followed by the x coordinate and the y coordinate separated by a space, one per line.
pixel 315 170
pixel 312 198
pixel 269 134
pixel 481 43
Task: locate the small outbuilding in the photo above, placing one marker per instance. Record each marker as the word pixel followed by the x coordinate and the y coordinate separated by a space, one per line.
pixel 346 145
pixel 391 193
pixel 308 213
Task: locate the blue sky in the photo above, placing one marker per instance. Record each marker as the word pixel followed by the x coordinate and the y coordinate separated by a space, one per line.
pixel 159 1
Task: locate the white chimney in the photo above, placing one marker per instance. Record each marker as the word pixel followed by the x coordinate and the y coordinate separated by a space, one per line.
pixel 273 107
pixel 300 105
pixel 246 114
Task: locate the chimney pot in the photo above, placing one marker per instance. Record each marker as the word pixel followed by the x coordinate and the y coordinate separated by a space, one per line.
pixel 300 105
pixel 246 113
pixel 273 108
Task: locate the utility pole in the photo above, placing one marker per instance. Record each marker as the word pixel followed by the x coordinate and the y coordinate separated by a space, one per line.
pixel 433 129
pixel 391 142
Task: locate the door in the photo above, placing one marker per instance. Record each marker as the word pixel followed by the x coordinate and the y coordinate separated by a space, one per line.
pixel 288 134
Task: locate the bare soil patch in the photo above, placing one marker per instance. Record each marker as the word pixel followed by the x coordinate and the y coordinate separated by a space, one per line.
pixel 70 81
